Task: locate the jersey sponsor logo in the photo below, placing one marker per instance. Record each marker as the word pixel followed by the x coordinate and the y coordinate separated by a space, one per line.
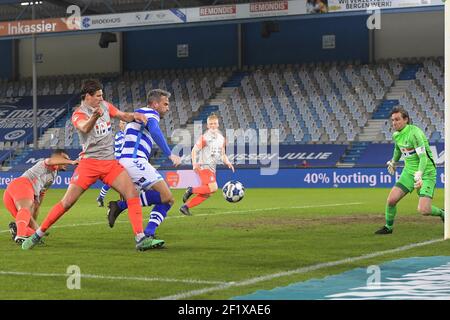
pixel 142 180
pixel 101 129
pixel 407 152
pixel 139 165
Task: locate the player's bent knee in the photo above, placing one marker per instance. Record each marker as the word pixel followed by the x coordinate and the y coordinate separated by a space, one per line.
pixel 213 187
pixel 424 211
pixel 391 202
pixel 167 198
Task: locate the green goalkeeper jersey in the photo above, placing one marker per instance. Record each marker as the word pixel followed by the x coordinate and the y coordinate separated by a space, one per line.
pixel 413 145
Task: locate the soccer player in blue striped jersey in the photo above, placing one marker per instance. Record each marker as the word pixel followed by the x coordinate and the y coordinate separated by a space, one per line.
pixel 119 139
pixel 135 155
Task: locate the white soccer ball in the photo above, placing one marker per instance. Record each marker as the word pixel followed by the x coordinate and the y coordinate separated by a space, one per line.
pixel 233 191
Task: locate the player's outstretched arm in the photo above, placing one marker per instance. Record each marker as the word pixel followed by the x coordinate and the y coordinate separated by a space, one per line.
pixel 194 152
pixel 131 116
pixel 59 160
pixel 155 131
pixel 225 160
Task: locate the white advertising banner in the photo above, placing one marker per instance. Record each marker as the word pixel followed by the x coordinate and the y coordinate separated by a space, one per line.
pixel 181 179
pixel 352 5
pixel 245 11
pixel 240 11
pixel 131 19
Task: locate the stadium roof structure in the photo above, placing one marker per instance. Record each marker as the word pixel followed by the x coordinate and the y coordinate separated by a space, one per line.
pixel 21 9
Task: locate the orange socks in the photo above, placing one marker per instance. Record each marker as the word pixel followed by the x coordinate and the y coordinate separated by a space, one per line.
pixel 55 213
pixel 22 221
pixel 204 189
pixel 135 214
pixel 197 200
pixel 29 232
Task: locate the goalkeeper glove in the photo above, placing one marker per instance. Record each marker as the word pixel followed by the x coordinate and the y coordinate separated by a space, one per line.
pixel 418 179
pixel 391 167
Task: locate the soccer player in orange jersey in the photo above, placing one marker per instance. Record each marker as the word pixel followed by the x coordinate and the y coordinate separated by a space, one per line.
pixel 206 154
pixel 24 195
pixel 93 123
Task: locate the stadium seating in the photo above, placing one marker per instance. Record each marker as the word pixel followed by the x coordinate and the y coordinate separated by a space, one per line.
pixel 308 103
pixel 424 100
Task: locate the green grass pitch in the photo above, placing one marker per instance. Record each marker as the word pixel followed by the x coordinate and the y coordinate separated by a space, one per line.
pixel 230 249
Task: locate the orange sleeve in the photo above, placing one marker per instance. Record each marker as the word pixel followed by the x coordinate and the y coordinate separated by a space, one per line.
pixel 112 109
pixel 201 143
pixel 77 116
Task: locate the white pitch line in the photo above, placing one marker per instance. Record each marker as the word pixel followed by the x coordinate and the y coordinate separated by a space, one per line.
pixel 278 208
pixel 102 277
pixel 190 294
pixel 215 214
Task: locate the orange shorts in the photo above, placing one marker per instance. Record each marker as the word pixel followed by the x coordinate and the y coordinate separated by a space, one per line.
pixel 89 171
pixel 19 189
pixel 206 176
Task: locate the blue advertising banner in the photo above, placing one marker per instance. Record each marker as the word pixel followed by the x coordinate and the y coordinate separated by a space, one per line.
pixel 285 178
pixel 379 153
pixel 318 155
pixel 16 115
pixel 287 156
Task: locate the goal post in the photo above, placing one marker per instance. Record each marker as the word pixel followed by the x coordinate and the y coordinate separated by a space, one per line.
pixel 447 118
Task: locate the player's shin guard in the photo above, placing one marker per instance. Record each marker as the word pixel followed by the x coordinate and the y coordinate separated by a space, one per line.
pixel 55 213
pixel 390 215
pixel 197 200
pixel 435 211
pixel 157 216
pixel 204 189
pixel 22 220
pixel 135 215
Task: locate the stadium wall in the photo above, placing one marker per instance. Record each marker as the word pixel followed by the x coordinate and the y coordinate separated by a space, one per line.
pixel 6 59
pixel 209 46
pixel 75 54
pixel 300 41
pixel 216 45
pixel 418 34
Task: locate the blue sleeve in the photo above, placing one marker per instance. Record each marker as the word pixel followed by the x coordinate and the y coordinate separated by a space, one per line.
pixel 155 131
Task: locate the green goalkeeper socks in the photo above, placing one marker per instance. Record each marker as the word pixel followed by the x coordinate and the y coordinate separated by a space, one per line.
pixel 390 216
pixel 435 211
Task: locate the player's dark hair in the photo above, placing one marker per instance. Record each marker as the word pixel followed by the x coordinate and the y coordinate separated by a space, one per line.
pixel 402 111
pixel 156 94
pixel 90 87
pixel 58 152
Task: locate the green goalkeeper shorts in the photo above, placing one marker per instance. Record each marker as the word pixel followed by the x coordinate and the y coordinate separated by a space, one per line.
pixel 406 183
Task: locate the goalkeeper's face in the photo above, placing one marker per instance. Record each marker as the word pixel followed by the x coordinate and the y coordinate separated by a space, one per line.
pixel 398 122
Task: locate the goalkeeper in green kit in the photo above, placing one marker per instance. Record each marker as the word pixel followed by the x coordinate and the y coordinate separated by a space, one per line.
pixel 419 172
